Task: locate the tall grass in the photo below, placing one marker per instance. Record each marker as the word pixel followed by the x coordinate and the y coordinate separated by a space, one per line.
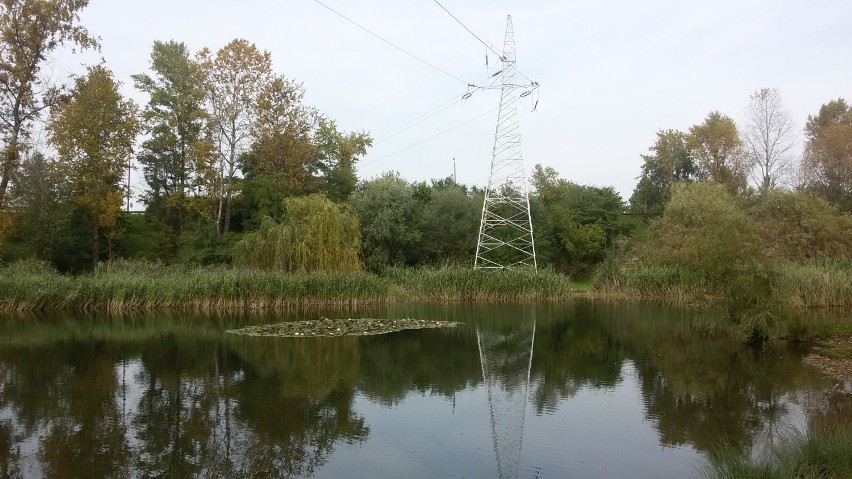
pixel 126 286
pixel 656 282
pixel 808 284
pixel 817 283
pixel 822 453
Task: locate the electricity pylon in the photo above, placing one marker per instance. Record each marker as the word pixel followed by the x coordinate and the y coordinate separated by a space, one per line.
pixel 505 232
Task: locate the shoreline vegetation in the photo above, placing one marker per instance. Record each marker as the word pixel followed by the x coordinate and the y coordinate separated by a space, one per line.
pixel 807 285
pixel 31 286
pixel 821 452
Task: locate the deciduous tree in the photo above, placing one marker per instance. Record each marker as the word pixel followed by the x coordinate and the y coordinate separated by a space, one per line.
pixel 390 218
pixel 670 162
pixel 177 158
pixel 581 222
pixel 827 165
pixel 236 76
pixel 716 147
pixel 315 234
pixel 94 130
pixel 769 139
pixel 29 31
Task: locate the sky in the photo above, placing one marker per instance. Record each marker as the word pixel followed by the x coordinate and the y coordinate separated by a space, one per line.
pixel 612 73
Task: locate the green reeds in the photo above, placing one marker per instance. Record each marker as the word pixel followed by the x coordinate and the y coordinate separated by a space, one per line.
pixel 657 282
pixel 809 284
pixel 133 285
pixel 817 283
pixel 822 453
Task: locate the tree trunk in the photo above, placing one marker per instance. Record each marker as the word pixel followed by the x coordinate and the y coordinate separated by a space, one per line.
pixel 10 164
pixel 95 247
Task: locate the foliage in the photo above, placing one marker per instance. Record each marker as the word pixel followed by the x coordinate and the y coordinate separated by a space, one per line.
pixel 235 77
pixel 389 216
pixel 717 149
pixel 136 285
pixel 449 225
pixel 46 224
pixel 580 223
pixel 93 131
pixel 702 230
pixel 827 165
pixel 315 235
pixel 177 157
pixel 670 162
pixel 799 225
pixel 29 32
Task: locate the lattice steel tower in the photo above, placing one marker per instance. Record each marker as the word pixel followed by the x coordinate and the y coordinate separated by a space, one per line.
pixel 505 232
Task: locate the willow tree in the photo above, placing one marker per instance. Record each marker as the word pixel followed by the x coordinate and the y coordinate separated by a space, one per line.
pixel 29 31
pixel 315 234
pixel 93 130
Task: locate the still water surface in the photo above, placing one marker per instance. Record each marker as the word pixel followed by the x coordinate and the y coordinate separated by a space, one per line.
pixel 558 390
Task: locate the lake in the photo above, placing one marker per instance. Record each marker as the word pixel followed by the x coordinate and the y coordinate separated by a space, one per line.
pixel 582 389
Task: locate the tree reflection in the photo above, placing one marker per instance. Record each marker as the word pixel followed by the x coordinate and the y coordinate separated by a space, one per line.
pixel 172 396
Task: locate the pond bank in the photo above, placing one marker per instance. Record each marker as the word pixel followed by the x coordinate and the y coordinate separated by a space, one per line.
pixel 136 286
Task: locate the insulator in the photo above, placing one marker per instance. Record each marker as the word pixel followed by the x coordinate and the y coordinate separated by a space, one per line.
pixel 498 72
pixel 526 93
pixel 466 95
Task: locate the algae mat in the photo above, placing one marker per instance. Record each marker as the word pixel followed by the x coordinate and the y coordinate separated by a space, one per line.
pixel 339 327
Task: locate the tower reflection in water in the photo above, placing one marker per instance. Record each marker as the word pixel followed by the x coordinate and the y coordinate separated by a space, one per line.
pixel 506 353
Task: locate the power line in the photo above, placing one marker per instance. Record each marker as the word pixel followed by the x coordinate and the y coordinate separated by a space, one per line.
pixel 499 55
pixel 431 137
pixel 418 119
pixel 379 104
pixel 390 43
pixel 488 46
pixel 501 6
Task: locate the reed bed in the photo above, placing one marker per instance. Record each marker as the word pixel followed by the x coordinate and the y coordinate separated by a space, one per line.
pixel 822 453
pixel 818 283
pixel 802 285
pixel 134 286
pixel 655 282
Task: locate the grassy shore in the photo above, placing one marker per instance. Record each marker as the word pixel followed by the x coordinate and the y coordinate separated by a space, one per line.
pixel 803 285
pixel 134 286
pixel 824 453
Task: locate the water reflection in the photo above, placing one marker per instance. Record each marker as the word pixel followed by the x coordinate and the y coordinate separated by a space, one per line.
pixel 506 355
pixel 168 395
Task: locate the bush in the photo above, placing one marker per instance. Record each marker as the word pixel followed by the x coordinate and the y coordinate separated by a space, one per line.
pixel 798 225
pixel 703 231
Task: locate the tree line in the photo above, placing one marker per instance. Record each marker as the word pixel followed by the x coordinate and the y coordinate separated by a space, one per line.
pixel 238 169
pixel 753 160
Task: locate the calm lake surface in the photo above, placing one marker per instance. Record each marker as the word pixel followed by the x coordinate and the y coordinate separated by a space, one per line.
pixel 557 390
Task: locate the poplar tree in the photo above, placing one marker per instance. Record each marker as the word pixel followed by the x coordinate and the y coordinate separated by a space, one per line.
pixel 236 76
pixel 177 158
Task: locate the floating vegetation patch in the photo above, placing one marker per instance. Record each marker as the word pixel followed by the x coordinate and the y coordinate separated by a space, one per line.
pixel 339 327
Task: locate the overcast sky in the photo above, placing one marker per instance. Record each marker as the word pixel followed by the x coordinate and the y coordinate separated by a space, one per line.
pixel 612 73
